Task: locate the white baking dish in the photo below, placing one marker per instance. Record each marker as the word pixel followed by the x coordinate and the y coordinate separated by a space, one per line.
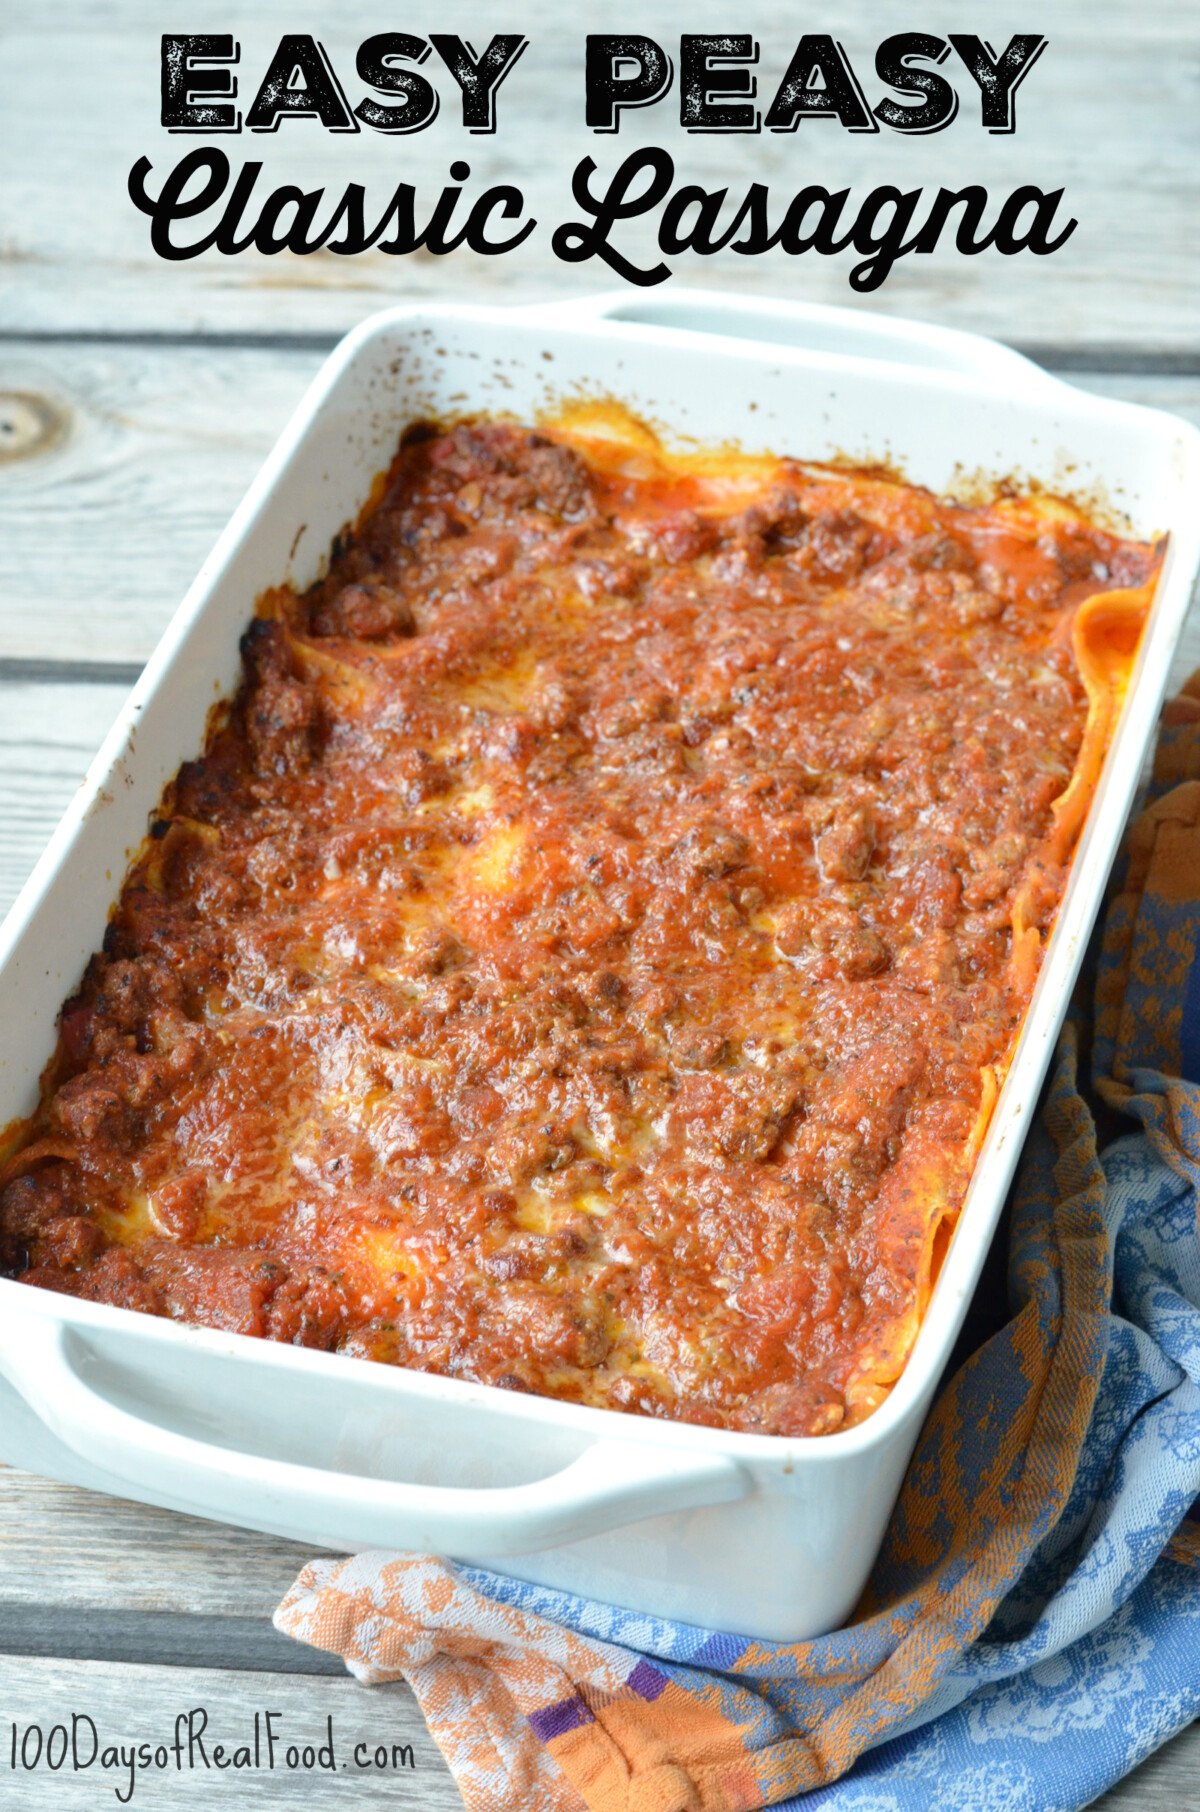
pixel 767 1536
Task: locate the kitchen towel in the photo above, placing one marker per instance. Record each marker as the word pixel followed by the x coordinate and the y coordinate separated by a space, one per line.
pixel 1032 1627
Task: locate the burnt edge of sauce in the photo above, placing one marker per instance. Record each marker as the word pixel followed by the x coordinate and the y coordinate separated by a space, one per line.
pixel 586 953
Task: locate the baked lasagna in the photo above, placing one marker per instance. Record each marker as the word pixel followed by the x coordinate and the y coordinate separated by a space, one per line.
pixel 585 956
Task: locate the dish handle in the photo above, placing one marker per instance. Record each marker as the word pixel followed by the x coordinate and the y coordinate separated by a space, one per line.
pixel 611 1484
pixel 808 326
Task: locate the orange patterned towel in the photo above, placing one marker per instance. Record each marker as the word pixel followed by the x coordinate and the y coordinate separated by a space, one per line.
pixel 1032 1626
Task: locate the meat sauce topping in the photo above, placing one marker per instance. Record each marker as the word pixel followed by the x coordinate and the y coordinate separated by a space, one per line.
pixel 583 955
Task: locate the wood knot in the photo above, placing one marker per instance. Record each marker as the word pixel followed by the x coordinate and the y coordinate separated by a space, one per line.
pixel 29 424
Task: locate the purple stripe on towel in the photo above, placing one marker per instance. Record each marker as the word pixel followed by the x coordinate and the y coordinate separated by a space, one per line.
pixel 720 1651
pixel 646 1681
pixel 555 1720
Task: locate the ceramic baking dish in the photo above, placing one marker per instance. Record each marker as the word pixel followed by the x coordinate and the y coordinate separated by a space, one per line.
pixel 772 1537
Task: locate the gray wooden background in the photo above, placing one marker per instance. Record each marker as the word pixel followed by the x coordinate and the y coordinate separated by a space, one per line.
pixel 137 399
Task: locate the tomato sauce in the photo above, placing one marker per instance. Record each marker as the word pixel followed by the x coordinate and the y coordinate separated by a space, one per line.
pixel 585 953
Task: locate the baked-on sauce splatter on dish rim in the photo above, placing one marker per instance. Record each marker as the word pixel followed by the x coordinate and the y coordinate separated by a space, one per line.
pixel 587 953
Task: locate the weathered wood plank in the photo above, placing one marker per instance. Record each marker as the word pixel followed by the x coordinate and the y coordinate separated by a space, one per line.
pixel 49 733
pixel 149 450
pixel 159 1639
pixel 104 523
pixel 136 1704
pixel 108 1582
pixel 120 1581
pixel 131 1705
pixel 1108 114
pixel 108 1554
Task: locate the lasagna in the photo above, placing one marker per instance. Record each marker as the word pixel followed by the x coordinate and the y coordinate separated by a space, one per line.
pixel 586 953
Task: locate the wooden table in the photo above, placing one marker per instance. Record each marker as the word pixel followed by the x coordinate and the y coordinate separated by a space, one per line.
pixel 137 399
